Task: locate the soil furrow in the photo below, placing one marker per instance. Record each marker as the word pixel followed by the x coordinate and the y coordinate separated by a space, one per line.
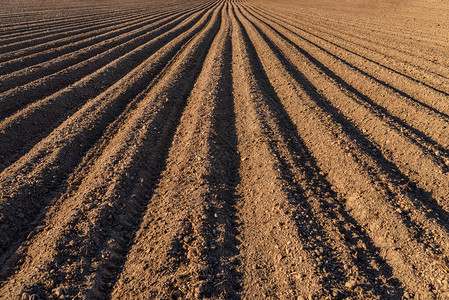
pixel 70 27
pixel 82 40
pixel 16 37
pixel 44 24
pixel 417 167
pixel 35 122
pixel 224 149
pixel 427 216
pixel 75 34
pixel 37 51
pixel 433 106
pixel 421 69
pixel 384 42
pixel 198 248
pixel 56 39
pixel 132 52
pixel 54 42
pixel 84 19
pixel 21 59
pixel 47 167
pixel 404 82
pixel 345 183
pixel 152 122
pixel 129 37
pixel 46 30
pixel 415 71
pixel 344 253
pixel 392 31
pixel 273 256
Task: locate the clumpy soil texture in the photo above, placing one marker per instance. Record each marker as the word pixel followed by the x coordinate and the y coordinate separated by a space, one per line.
pixel 286 149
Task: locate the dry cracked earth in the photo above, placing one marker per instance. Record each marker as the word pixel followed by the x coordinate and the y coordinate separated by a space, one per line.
pixel 255 149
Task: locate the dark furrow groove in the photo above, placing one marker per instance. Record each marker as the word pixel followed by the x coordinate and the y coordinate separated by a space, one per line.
pixel 415 136
pixel 309 226
pixel 54 63
pixel 84 138
pixel 421 199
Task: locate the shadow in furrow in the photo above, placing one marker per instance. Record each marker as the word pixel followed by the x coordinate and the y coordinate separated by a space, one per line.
pixel 92 24
pixel 23 28
pixel 28 67
pixel 421 199
pixel 56 184
pixel 134 195
pixel 222 212
pixel 310 228
pixel 379 64
pixel 136 48
pixel 131 220
pixel 36 126
pixel 57 39
pixel 23 70
pixel 414 135
pixel 402 93
pixel 366 58
pixel 384 38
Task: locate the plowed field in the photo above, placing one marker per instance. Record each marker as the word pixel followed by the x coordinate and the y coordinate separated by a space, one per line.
pixel 224 149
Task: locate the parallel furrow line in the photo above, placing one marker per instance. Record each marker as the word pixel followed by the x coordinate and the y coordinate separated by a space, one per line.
pixel 36 48
pixel 124 57
pixel 196 251
pixel 324 233
pixel 402 63
pixel 95 47
pixel 422 53
pixel 8 59
pixel 271 242
pixel 46 24
pixel 386 29
pixel 351 179
pixel 424 221
pixel 337 99
pixel 382 101
pixel 100 244
pixel 395 147
pixel 25 201
pixel 71 27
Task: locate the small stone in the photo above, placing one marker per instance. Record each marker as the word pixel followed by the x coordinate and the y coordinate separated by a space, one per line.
pixel 235 260
pixel 445 284
pixel 90 206
pixel 59 291
pixel 351 284
pixel 25 296
pixel 200 290
pixel 336 293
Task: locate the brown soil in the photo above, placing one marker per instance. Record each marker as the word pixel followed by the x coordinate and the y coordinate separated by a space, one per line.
pixel 224 149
